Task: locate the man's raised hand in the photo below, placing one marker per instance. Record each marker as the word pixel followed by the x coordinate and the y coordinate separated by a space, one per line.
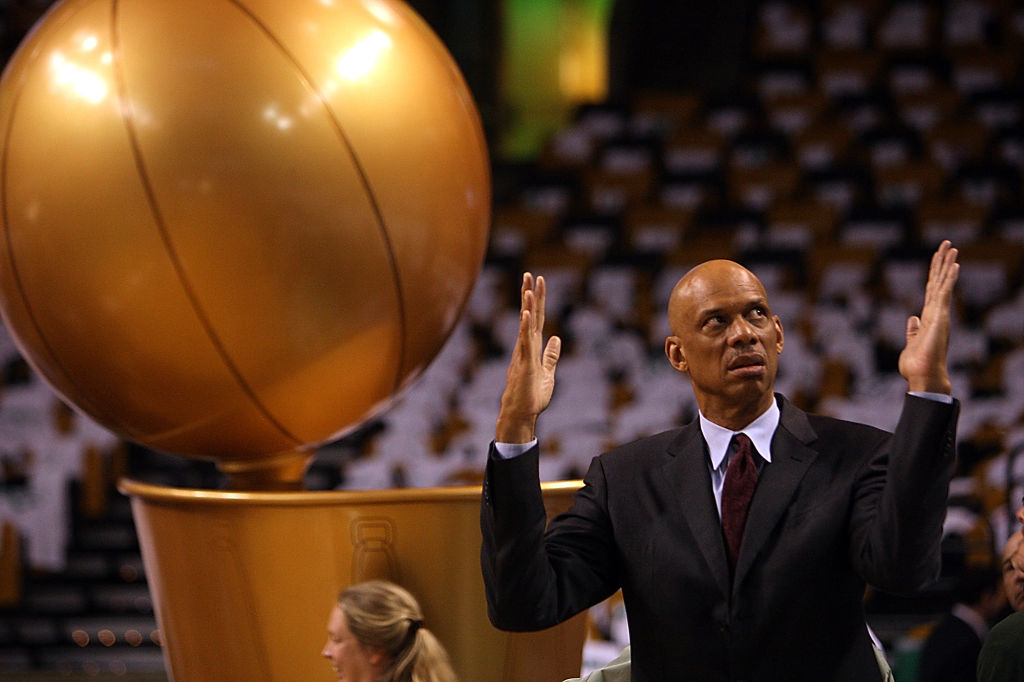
pixel 923 361
pixel 530 380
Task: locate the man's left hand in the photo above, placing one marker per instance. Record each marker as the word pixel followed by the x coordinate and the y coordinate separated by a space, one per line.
pixel 923 361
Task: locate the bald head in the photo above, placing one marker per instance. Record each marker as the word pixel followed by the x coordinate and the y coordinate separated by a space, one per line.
pixel 702 281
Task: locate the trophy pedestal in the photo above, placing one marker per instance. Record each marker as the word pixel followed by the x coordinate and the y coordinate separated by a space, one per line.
pixel 243 582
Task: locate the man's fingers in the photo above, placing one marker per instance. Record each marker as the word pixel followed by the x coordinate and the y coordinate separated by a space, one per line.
pixel 524 326
pixel 552 352
pixel 540 291
pixel 939 256
pixel 533 293
pixel 531 317
pixel 942 276
pixel 531 323
pixel 952 268
pixel 944 265
pixel 913 325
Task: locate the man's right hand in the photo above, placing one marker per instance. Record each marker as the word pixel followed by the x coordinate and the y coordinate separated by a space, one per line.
pixel 531 373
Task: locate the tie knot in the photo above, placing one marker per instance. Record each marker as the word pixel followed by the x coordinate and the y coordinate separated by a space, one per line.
pixel 742 443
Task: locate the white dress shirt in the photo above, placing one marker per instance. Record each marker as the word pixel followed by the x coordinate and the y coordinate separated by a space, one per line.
pixel 718 439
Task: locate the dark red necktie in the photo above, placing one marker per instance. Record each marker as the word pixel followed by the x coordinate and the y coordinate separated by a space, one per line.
pixel 737 491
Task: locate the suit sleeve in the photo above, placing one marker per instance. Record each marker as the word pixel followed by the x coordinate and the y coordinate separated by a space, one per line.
pixel 536 577
pixel 900 502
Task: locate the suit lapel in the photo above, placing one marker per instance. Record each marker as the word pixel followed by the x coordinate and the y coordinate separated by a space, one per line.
pixel 791 457
pixel 687 475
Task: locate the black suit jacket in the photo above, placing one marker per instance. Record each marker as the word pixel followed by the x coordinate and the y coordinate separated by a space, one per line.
pixel 841 504
pixel 950 654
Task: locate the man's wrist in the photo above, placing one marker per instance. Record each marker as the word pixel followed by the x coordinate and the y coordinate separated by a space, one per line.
pixel 511 450
pixel 515 430
pixel 930 384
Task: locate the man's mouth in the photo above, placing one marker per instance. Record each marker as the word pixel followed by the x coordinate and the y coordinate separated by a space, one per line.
pixel 747 364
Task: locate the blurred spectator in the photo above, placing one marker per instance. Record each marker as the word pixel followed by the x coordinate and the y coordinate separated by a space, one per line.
pixel 950 653
pixel 376 633
pixel 1002 655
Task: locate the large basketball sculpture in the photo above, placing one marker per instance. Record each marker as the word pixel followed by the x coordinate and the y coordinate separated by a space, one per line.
pixel 233 229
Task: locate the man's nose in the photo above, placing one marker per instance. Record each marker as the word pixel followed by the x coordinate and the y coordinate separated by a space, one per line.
pixel 741 331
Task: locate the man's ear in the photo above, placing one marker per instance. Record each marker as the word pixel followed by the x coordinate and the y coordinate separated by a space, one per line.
pixel 674 353
pixel 780 341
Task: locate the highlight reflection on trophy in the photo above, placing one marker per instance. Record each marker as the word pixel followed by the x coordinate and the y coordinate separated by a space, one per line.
pixel 265 222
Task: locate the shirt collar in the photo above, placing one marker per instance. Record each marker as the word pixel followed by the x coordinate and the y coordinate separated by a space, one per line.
pixel 760 432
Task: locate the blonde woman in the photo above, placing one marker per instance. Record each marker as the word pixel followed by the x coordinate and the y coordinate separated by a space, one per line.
pixel 376 633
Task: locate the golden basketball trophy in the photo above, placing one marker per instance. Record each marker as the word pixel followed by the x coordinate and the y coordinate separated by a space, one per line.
pixel 234 230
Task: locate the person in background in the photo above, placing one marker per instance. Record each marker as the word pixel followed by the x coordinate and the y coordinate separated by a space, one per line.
pixel 376 633
pixel 1013 567
pixel 950 654
pixel 1002 655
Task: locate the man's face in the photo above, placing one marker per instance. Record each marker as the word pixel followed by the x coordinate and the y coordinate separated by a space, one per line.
pixel 726 339
pixel 1013 571
pixel 351 660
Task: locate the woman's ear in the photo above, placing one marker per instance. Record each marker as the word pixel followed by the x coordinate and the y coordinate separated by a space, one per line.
pixel 377 658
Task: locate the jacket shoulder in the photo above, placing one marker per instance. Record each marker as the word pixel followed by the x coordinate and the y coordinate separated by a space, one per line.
pixel 824 424
pixel 647 448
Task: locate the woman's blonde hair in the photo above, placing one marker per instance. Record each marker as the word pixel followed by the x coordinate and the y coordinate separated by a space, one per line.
pixel 386 617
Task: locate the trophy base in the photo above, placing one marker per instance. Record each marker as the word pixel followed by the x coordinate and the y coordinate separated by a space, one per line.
pixel 243 582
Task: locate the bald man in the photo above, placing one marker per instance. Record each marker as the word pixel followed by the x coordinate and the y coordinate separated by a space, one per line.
pixel 1013 566
pixel 710 596
pixel 1002 654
